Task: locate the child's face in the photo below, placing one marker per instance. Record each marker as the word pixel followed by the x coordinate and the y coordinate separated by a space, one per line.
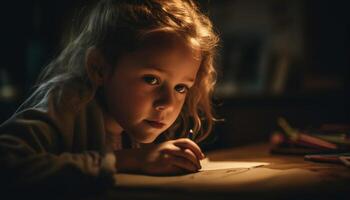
pixel 147 89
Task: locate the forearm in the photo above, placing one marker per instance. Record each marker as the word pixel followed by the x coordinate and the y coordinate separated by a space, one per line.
pixel 23 169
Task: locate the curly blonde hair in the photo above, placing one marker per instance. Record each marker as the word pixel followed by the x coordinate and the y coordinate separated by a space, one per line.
pixel 116 27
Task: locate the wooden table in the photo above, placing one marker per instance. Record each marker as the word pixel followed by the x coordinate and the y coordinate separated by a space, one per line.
pixel 286 177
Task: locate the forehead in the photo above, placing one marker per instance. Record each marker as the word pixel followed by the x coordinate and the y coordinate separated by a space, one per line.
pixel 170 42
pixel 164 51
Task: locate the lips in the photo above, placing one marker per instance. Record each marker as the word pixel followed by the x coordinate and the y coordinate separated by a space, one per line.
pixel 155 124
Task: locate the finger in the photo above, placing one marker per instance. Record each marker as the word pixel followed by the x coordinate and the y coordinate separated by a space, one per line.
pixel 182 163
pixel 186 143
pixel 175 170
pixel 184 153
pixel 193 157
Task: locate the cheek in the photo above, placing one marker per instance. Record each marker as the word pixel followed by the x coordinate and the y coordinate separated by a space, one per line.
pixel 129 100
pixel 137 94
pixel 177 108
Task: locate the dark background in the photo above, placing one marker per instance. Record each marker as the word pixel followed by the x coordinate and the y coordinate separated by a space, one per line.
pixel 277 58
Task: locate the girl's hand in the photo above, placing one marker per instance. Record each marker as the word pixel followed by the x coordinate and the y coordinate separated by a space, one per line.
pixel 168 158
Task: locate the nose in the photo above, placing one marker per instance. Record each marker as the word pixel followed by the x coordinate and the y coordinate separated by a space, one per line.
pixel 165 100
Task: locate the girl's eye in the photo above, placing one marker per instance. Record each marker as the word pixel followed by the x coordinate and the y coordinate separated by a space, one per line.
pixel 181 88
pixel 151 80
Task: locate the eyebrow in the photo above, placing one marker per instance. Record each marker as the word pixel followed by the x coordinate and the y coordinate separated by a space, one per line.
pixel 189 79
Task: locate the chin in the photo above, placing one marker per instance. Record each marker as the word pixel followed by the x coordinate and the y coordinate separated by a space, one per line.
pixel 145 138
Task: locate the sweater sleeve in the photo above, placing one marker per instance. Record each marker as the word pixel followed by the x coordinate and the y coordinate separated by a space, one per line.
pixel 33 158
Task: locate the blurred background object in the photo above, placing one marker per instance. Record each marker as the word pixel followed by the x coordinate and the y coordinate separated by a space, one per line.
pixel 277 58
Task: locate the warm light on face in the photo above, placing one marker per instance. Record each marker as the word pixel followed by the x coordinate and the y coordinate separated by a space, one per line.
pixel 148 87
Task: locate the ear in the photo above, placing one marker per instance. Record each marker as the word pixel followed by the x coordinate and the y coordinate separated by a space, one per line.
pixel 95 66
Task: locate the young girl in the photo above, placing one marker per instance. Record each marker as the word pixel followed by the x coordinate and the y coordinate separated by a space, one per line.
pixel 137 76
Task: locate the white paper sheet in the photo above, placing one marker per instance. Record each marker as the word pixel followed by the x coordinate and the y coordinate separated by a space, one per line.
pixel 218 165
pixel 213 173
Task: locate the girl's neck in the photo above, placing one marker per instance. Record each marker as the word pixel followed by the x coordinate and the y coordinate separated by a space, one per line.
pixel 111 126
